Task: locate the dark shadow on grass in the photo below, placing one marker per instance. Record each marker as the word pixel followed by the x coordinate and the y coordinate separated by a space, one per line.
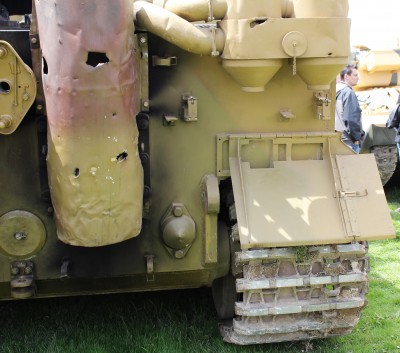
pixel 392 191
pixel 394 181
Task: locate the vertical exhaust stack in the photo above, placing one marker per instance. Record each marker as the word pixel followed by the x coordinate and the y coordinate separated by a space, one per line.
pixel 91 85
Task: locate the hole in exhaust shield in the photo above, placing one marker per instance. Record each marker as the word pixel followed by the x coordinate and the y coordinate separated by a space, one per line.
pixel 95 59
pixel 45 67
pixel 257 22
pixel 122 156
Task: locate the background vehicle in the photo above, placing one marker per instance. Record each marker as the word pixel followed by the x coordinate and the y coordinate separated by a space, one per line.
pixel 378 91
pixel 233 178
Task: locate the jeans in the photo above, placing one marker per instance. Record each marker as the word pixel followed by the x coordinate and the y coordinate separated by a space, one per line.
pixel 349 142
pixel 355 148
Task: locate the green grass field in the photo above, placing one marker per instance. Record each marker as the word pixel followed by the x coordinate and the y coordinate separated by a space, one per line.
pixel 185 321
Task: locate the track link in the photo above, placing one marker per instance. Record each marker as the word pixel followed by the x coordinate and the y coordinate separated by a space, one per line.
pixel 386 160
pixel 298 293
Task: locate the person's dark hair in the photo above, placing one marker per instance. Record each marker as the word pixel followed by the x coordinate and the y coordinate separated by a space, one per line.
pixel 347 70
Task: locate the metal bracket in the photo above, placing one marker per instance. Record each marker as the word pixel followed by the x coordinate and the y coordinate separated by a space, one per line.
pixel 214 51
pixel 142 37
pixel 169 120
pixel 65 268
pixel 17 88
pixel 149 267
pixel 287 114
pixel 323 106
pixel 167 61
pixel 189 107
pixel 211 203
pixel 144 72
pixel 143 123
pixel 22 280
pixel 34 39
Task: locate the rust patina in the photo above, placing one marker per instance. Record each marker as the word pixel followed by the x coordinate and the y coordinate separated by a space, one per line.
pixel 91 82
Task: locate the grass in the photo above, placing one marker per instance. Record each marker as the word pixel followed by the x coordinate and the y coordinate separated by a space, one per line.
pixel 185 321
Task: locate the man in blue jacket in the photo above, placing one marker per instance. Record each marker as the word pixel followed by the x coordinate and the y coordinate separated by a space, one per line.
pixel 348 112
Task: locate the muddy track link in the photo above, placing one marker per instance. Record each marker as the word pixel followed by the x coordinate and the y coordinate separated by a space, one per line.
pixel 386 160
pixel 298 293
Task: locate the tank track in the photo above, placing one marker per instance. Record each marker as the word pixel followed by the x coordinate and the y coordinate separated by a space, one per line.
pixel 386 160
pixel 297 293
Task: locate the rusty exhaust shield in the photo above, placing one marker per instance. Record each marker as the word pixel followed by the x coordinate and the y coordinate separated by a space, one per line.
pixel 91 85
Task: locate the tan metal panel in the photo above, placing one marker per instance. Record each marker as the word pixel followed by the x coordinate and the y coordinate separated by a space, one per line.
pixel 303 202
pixel 326 37
pixel 292 203
pixel 370 212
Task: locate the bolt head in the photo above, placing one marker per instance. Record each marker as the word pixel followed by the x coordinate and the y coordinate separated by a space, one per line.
pixel 177 211
pixel 14 270
pixel 179 254
pixel 20 235
pixel 5 121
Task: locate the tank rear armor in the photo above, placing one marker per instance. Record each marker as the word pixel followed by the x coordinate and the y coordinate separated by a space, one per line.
pixel 180 144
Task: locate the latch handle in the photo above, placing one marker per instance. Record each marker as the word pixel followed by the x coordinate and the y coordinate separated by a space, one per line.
pixel 189 107
pixel 342 193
